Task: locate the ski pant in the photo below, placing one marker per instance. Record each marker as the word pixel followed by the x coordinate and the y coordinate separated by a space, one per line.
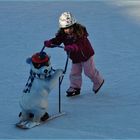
pixel 89 70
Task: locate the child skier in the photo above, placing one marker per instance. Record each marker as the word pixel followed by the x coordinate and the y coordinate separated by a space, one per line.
pixel 74 36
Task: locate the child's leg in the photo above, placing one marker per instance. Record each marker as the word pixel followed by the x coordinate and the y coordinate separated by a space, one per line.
pixel 92 73
pixel 76 76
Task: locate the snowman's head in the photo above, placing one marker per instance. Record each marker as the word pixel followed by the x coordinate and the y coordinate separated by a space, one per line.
pixel 41 63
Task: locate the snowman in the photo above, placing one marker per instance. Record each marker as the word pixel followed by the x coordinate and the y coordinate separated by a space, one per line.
pixel 34 100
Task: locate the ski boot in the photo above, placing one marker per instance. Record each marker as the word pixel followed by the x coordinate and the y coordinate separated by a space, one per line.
pixel 73 92
pixel 45 117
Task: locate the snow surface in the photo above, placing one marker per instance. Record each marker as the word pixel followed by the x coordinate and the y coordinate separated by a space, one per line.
pixel 114 28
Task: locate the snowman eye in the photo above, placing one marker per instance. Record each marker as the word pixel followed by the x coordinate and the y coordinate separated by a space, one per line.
pixel 45 71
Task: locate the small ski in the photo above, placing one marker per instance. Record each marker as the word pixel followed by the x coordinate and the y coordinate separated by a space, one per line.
pixel 28 124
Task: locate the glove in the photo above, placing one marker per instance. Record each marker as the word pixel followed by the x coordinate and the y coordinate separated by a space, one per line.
pixel 71 48
pixel 47 43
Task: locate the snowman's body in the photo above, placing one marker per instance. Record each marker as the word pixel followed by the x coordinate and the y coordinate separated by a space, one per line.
pixel 34 101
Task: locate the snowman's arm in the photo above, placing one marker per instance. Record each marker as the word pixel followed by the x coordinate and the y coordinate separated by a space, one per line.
pixel 55 78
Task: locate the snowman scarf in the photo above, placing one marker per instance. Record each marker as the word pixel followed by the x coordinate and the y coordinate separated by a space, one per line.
pixel 31 79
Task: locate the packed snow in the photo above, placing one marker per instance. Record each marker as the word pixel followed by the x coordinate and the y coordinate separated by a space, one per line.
pixel 114 31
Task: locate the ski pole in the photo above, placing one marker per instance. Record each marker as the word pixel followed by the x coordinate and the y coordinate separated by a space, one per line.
pixel 66 65
pixel 60 82
pixel 65 69
pixel 52 46
pixel 60 78
pixel 42 49
pixel 59 95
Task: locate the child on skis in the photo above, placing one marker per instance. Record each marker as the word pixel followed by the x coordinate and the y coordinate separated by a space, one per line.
pixel 74 37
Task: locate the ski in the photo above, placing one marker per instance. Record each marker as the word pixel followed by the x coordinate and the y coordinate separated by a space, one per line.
pixel 28 124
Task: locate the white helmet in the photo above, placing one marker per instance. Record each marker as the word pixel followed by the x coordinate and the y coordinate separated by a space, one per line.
pixel 66 20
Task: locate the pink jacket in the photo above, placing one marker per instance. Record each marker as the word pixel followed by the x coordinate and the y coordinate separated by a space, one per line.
pixel 85 50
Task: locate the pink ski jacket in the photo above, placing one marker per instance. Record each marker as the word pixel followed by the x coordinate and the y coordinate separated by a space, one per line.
pixel 85 50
